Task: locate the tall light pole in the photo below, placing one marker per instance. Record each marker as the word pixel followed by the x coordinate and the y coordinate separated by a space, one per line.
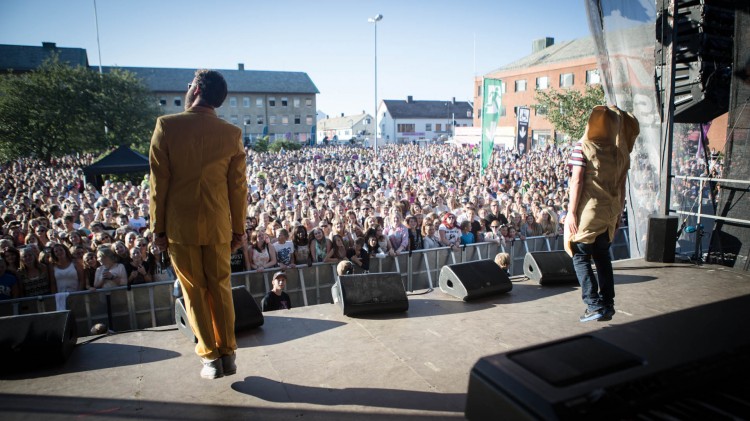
pixel 375 20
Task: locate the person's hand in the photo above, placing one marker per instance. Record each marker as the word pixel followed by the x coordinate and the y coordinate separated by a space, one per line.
pixel 572 223
pixel 237 241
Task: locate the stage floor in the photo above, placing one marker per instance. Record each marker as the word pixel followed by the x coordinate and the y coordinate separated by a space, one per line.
pixel 315 363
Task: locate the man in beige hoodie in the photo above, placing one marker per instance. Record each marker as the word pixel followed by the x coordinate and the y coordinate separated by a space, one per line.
pixel 600 162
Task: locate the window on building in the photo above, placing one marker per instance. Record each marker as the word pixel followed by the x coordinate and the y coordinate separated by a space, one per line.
pixel 542 82
pixel 502 111
pixel 479 90
pixel 540 110
pixel 502 86
pixel 521 85
pixel 405 128
pixel 448 127
pixel 284 101
pixel 177 101
pixel 593 77
pixel 438 127
pixel 285 120
pixel 234 119
pixel 308 102
pixel 246 102
pixel 259 120
pixel 479 113
pixel 367 121
pixel 272 120
pixel 162 101
pixel 232 102
pixel 247 120
pixel 309 120
pixel 297 119
pixel 468 113
pixel 271 101
pixel 566 80
pixel 428 127
pixel 296 102
pixel 259 102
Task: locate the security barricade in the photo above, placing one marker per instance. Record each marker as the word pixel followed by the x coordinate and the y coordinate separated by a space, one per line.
pixel 152 305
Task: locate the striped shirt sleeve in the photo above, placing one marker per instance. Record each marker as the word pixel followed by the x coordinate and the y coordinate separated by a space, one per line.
pixel 577 159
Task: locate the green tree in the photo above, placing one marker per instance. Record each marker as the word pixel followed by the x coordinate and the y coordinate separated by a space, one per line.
pixel 568 109
pixel 261 145
pixel 286 144
pixel 58 109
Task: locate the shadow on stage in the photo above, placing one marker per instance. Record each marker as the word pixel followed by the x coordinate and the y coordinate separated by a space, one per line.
pixel 279 392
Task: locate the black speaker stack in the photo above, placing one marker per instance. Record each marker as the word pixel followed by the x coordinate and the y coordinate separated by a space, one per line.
pixel 703 43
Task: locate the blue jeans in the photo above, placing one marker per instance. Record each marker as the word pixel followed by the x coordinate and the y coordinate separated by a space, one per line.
pixel 596 293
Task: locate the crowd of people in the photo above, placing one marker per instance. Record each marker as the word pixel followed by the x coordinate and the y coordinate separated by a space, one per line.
pixel 321 204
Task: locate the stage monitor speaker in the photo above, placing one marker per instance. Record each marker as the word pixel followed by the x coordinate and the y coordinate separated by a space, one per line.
pixel 371 293
pixel 247 314
pixel 662 238
pixel 549 267
pixel 32 341
pixel 472 280
pixel 634 371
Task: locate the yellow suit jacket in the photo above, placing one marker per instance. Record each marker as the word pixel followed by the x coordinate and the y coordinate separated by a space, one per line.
pixel 198 187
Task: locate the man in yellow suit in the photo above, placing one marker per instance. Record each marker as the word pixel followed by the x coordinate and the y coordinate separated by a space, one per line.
pixel 197 210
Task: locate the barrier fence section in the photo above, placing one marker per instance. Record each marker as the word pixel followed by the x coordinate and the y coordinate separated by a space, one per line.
pixel 152 305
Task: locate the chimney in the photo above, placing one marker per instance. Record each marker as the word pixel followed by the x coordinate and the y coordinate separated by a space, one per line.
pixel 49 45
pixel 409 99
pixel 240 66
pixel 342 114
pixel 541 44
pixel 454 100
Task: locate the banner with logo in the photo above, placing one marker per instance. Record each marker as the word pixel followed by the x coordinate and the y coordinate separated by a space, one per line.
pixel 522 129
pixel 491 103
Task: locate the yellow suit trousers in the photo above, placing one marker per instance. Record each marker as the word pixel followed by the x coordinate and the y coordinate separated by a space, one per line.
pixel 204 274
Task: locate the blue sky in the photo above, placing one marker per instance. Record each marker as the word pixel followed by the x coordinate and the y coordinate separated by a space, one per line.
pixel 425 47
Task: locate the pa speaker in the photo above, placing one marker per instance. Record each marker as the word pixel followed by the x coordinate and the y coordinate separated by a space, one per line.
pixel 662 238
pixel 549 267
pixel 34 340
pixel 471 280
pixel 702 48
pixel 371 293
pixel 247 314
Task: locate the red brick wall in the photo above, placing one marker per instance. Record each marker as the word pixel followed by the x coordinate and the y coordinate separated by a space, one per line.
pixel 512 99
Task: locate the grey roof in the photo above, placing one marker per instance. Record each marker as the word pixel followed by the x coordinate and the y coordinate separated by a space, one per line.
pixel 427 109
pixel 564 51
pixel 24 58
pixel 159 79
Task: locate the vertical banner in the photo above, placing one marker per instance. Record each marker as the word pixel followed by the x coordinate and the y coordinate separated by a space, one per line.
pixel 522 130
pixel 491 103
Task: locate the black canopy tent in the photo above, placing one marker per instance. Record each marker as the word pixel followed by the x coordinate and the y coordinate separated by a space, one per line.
pixel 122 160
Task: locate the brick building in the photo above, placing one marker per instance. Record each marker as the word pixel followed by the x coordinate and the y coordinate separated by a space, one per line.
pixel 568 65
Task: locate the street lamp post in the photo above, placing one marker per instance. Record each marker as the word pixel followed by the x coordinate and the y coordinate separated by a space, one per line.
pixel 375 20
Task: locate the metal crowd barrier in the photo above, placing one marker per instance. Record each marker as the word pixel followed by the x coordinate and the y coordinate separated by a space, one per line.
pixel 152 305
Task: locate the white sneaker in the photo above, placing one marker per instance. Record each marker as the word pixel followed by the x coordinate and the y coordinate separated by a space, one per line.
pixel 227 363
pixel 212 369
